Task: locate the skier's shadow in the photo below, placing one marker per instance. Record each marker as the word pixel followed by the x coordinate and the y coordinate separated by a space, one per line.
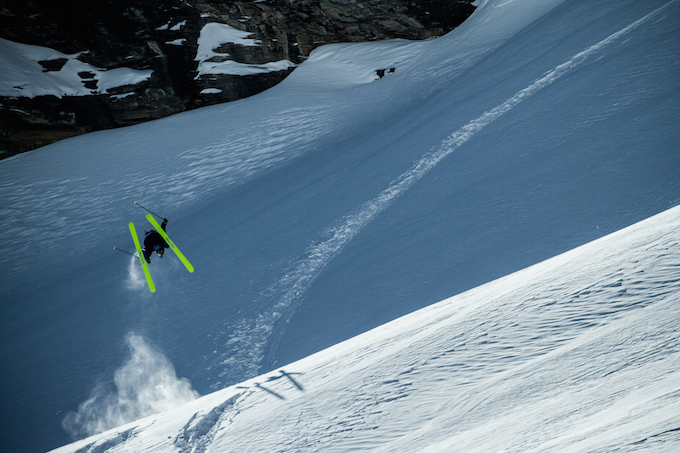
pixel 283 374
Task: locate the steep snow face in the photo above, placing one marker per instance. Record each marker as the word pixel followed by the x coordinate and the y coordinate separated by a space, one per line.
pixel 333 203
pixel 577 353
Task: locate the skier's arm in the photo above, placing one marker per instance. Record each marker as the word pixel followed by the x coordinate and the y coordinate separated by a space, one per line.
pixel 165 222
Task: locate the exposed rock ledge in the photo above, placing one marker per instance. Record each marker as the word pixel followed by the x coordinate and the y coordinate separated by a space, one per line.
pixel 172 61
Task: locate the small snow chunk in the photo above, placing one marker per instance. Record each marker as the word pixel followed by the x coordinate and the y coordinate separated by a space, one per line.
pixel 122 95
pixel 121 76
pixel 179 26
pixel 177 42
pixel 211 91
pixel 231 67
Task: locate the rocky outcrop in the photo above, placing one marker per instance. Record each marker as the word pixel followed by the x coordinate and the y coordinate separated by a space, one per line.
pixel 164 36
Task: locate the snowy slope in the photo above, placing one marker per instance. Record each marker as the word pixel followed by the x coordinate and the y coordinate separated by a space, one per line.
pixel 577 353
pixel 328 205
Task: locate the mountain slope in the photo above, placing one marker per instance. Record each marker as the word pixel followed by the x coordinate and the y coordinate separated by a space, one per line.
pixel 577 353
pixel 332 203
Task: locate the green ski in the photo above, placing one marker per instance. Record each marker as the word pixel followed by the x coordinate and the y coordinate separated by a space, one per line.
pixel 172 245
pixel 140 253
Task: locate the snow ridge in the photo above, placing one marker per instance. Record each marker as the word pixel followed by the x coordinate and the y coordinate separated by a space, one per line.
pixel 292 287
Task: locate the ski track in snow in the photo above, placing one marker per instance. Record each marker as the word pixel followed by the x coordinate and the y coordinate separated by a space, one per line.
pixel 261 337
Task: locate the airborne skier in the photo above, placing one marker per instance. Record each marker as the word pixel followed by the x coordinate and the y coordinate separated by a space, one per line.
pixel 154 242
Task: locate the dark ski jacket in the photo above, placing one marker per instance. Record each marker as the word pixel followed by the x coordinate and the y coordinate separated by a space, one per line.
pixel 154 241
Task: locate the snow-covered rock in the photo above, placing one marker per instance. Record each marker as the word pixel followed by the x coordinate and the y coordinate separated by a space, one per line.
pixel 167 38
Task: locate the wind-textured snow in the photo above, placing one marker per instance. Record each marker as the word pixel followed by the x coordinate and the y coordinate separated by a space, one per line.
pixel 341 200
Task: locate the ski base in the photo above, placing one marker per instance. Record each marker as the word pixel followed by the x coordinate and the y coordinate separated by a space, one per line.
pixel 140 253
pixel 172 245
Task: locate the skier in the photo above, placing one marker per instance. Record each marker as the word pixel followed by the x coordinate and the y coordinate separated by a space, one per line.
pixel 154 242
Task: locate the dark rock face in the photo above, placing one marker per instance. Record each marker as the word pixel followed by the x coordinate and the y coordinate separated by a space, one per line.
pixel 162 36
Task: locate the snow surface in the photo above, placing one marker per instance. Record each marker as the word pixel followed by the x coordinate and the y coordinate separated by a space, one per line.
pixel 23 76
pixel 178 26
pixel 177 42
pixel 338 201
pixel 211 91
